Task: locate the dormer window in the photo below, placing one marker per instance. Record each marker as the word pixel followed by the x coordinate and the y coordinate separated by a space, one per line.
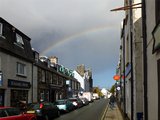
pixel 19 40
pixel 1 26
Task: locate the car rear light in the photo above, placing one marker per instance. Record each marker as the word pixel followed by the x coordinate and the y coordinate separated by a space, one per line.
pixel 41 105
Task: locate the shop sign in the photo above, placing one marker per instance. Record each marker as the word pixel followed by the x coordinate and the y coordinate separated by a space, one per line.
pixel 116 77
pixel 65 71
pixel 18 84
pixel 128 69
pixel 67 82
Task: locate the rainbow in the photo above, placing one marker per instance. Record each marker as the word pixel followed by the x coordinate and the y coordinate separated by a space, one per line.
pixel 73 37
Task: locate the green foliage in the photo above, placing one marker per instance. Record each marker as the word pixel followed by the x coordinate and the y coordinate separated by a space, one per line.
pixel 97 90
pixel 112 90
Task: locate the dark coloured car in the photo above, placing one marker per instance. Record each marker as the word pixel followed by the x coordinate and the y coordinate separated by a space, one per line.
pixel 44 110
pixel 11 113
pixel 64 105
pixel 76 102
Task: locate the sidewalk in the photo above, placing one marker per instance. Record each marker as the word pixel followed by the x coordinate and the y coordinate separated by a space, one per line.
pixel 113 114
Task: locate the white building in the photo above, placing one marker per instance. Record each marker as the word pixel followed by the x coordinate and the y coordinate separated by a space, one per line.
pixel 84 80
pixel 152 47
pixel 131 62
pixel 80 79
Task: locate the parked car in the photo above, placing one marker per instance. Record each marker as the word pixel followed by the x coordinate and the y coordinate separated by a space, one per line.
pixel 64 105
pixel 11 113
pixel 76 102
pixel 85 101
pixel 44 110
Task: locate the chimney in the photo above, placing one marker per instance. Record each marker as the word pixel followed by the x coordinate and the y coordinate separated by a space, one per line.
pixel 81 69
pixel 53 59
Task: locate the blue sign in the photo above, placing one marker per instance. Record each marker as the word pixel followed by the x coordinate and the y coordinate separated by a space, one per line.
pixel 128 69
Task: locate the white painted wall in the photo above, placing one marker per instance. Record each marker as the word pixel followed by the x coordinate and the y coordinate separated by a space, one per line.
pixel 80 79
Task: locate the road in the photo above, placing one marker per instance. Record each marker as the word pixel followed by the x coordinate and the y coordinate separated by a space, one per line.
pixel 93 111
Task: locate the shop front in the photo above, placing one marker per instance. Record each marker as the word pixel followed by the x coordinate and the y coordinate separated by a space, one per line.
pixel 56 92
pixel 1 97
pixel 19 92
pixel 43 94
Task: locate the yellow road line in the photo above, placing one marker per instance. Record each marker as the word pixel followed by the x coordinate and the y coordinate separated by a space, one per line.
pixel 104 113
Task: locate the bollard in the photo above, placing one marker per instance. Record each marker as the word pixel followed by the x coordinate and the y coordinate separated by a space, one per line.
pixel 139 115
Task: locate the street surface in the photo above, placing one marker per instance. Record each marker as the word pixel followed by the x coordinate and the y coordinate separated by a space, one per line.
pixel 93 111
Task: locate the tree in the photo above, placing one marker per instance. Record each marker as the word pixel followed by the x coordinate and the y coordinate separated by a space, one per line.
pixel 112 90
pixel 97 90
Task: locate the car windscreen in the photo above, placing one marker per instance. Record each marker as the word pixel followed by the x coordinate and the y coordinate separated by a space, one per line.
pixel 60 102
pixel 3 113
pixel 13 111
pixel 34 107
pixel 73 100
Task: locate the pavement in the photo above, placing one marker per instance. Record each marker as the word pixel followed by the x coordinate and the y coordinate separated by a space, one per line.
pixel 112 114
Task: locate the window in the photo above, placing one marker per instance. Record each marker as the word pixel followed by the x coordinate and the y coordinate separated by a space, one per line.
pixel 21 69
pixel 60 80
pixel 157 5
pixel 51 78
pixel 43 76
pixel 1 25
pixel 127 51
pixel 55 79
pixel 19 40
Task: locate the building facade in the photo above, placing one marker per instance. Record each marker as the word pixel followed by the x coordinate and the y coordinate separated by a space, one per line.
pixel 151 22
pixel 24 76
pixel 130 66
pixel 86 75
pixel 16 63
pixel 140 88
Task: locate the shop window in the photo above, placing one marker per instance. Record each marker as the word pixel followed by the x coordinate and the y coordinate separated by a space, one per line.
pixel 18 96
pixel 157 5
pixel 44 95
pixel 21 69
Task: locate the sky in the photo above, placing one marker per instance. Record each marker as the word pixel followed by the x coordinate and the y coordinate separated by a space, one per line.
pixel 76 31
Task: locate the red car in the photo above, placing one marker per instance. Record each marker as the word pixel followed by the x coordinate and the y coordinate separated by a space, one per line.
pixel 11 113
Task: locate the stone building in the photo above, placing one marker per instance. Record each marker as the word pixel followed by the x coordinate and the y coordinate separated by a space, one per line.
pixel 16 65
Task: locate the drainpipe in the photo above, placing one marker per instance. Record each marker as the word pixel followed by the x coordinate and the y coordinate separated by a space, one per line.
pixel 145 79
pixel 131 50
pixel 124 83
pixel 32 85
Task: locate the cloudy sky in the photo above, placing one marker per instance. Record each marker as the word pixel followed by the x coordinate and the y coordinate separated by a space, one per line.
pixel 76 31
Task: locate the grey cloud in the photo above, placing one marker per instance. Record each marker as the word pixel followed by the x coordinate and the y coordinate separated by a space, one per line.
pixel 48 22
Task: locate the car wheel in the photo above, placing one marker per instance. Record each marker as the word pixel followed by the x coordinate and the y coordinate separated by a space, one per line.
pixel 58 113
pixel 33 119
pixel 46 117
